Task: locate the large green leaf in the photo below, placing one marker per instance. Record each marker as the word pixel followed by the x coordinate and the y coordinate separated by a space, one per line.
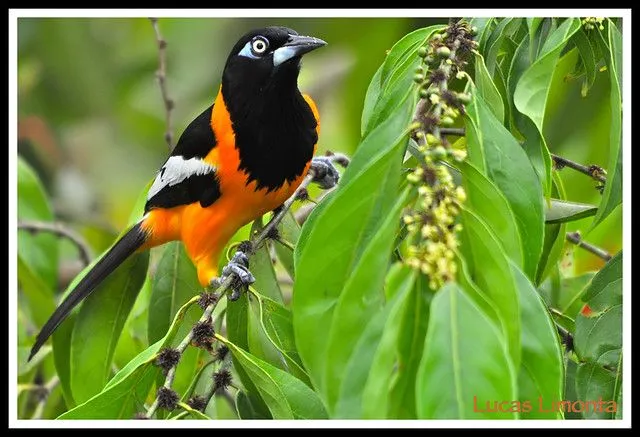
pixel 37 292
pixel 99 324
pixel 286 396
pixel 531 95
pixel 350 400
pixel 376 393
pixel 561 211
pixel 344 227
pixel 396 76
pixel 277 326
pixel 465 368
pixel 487 89
pixel 402 396
pixel 289 230
pixel 599 336
pixel 38 251
pixel 540 375
pixel 174 282
pixel 554 233
pixel 588 58
pixel 126 392
pixel 486 200
pixel 612 195
pixel 362 296
pixel 491 272
pixel 509 168
pixel 598 391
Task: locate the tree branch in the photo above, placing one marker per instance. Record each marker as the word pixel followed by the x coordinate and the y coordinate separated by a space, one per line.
pixel 61 231
pixel 576 238
pixel 460 132
pixel 161 75
pixel 592 171
pixel 44 391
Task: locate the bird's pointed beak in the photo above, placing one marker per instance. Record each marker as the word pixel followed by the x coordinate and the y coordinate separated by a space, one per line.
pixel 297 45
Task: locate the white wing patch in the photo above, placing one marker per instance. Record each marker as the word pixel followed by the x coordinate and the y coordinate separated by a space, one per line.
pixel 176 170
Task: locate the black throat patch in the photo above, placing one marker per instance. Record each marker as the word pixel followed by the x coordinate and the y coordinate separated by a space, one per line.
pixel 275 129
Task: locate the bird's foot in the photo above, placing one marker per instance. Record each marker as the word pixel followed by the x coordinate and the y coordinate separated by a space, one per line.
pixel 239 267
pixel 326 174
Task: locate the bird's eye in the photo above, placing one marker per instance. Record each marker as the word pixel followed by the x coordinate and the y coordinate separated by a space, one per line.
pixel 259 45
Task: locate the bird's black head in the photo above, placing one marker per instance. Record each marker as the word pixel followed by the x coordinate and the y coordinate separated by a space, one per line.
pixel 267 58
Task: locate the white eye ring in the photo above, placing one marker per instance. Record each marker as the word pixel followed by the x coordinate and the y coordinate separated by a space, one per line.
pixel 259 45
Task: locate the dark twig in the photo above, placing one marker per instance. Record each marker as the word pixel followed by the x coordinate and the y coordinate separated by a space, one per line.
pixel 576 238
pixel 61 231
pixel 592 171
pixel 44 392
pixel 566 337
pixel 452 131
pixel 161 75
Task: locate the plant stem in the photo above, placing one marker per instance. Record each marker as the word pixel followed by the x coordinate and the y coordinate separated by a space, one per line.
pixel 457 131
pixel 592 171
pixel 576 238
pixel 161 75
pixel 61 231
pixel 46 391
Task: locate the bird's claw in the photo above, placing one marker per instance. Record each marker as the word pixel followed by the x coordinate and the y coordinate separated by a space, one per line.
pixel 238 266
pixel 326 174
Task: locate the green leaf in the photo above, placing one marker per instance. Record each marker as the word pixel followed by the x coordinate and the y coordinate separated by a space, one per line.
pixel 562 211
pixel 286 396
pixel 38 294
pixel 245 404
pixel 25 367
pixel 486 200
pixel 349 404
pixel 195 414
pixel 357 208
pixel 462 372
pixel 484 26
pixel 375 395
pixel 533 24
pixel 262 268
pixel 503 31
pixel 598 338
pixel 510 169
pixel 396 77
pixel 361 297
pixel 540 375
pixel 289 230
pixel 410 344
pixel 491 271
pixel 487 89
pixel 99 324
pixel 125 393
pixel 39 251
pixel 174 282
pixel 554 236
pixel 237 329
pixel 597 390
pixel 612 195
pixel 531 94
pixel 588 56
pixel 370 100
pixel 277 326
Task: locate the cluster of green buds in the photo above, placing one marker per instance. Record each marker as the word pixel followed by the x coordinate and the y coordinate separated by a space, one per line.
pixel 591 23
pixel 432 221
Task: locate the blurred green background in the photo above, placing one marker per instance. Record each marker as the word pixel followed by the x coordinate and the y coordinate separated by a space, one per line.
pixel 91 118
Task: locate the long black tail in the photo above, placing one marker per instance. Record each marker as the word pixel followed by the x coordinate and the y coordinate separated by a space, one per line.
pixel 119 252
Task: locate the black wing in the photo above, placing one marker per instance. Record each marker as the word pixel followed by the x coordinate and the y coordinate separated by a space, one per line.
pixel 185 178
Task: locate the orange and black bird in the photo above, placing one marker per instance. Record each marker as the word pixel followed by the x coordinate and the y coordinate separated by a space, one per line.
pixel 239 159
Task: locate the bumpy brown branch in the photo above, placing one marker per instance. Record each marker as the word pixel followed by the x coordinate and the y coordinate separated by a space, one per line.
pixel 44 392
pixel 593 171
pixel 61 231
pixel 161 75
pixel 576 238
